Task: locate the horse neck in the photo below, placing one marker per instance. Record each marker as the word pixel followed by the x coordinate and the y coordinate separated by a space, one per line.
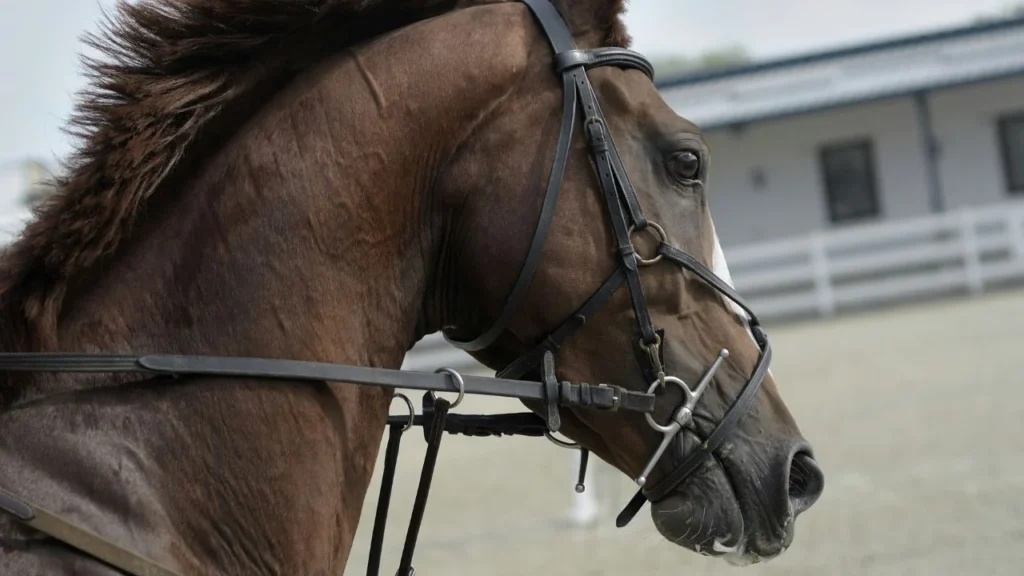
pixel 273 251
pixel 312 232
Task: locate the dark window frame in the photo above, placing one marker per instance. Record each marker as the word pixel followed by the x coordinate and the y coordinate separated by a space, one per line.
pixel 1003 123
pixel 867 146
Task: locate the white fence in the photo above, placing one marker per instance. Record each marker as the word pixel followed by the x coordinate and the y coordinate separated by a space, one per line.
pixel 967 251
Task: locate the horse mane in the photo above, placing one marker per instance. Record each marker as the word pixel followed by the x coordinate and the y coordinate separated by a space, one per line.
pixel 172 67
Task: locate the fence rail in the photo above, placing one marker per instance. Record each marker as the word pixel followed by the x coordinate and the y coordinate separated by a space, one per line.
pixel 967 251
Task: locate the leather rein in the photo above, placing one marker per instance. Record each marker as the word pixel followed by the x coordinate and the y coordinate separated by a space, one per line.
pixel 627 219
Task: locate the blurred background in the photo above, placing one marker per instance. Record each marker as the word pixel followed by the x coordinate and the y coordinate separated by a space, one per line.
pixel 867 181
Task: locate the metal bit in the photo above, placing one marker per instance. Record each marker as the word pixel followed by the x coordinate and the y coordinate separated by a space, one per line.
pixel 683 416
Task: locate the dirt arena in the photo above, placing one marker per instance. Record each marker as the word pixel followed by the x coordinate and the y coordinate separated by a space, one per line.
pixel 916 415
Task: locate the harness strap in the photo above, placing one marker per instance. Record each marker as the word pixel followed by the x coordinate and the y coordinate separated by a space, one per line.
pixel 552 342
pixel 596 57
pixel 380 520
pixel 434 434
pixel 572 63
pixel 540 233
pixel 483 425
pixel 736 410
pixel 615 193
pixel 80 538
pixel 606 397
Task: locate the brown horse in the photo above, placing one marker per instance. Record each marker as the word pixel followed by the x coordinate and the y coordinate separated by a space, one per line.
pixel 332 180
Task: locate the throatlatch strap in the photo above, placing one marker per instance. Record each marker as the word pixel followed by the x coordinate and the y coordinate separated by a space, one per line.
pixel 484 425
pixel 387 481
pixel 434 435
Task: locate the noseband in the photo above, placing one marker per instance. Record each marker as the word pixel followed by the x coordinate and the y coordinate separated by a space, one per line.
pixel 627 220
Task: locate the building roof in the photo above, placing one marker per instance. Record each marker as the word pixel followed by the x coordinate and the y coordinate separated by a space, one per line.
pixel 846 76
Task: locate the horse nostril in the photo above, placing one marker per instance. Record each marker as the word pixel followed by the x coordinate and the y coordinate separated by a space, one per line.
pixel 806 482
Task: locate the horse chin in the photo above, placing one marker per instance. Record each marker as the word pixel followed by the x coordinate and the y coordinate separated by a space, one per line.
pixel 705 516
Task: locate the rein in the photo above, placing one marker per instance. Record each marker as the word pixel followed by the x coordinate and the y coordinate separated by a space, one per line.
pixel 627 219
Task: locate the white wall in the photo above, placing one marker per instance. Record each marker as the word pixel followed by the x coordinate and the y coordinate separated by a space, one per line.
pixel 971 165
pixel 12 186
pixel 792 202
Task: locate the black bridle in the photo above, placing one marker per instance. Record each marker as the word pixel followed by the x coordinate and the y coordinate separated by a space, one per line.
pixel 627 219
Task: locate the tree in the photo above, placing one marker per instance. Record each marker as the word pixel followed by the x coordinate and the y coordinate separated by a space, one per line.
pixel 38 182
pixel 719 59
pixel 1007 12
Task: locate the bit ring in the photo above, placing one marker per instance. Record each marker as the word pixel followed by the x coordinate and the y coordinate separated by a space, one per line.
pixel 687 397
pixel 458 380
pixel 412 411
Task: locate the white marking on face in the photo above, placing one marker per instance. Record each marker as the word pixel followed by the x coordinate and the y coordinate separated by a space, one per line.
pixel 721 269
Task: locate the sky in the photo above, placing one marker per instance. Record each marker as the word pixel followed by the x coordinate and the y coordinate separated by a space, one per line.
pixel 40 72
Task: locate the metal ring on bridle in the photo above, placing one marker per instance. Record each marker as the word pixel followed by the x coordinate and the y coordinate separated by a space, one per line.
pixel 458 380
pixel 562 443
pixel 412 411
pixel 687 395
pixel 662 238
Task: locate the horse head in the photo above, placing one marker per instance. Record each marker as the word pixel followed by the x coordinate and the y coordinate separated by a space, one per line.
pixel 598 245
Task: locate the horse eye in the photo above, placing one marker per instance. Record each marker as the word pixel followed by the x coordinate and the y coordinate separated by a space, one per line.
pixel 685 165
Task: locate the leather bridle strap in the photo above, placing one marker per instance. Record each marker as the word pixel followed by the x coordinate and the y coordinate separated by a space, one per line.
pixel 737 409
pixel 387 482
pixel 602 396
pixel 576 88
pixel 433 434
pixel 540 234
pixel 555 339
pixel 81 538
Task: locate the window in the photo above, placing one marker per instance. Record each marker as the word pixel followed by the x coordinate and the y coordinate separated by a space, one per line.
pixel 848 169
pixel 1011 140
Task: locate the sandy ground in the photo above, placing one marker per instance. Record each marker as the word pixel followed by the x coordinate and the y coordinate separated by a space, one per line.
pixel 916 415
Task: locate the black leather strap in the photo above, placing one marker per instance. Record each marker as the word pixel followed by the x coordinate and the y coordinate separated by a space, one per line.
pixel 737 409
pixel 484 425
pixel 554 25
pixel 693 265
pixel 572 63
pixel 434 434
pixel 554 341
pixel 551 392
pixel 606 397
pixel 540 233
pixel 596 57
pixel 629 512
pixel 387 482
pixel 602 149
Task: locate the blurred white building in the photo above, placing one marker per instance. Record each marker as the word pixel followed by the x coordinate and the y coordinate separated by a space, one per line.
pixel 878 173
pixel 22 183
pixel 867 134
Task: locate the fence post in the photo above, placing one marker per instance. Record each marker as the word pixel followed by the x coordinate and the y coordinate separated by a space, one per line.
pixel 1013 228
pixel 971 252
pixel 584 510
pixel 822 276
